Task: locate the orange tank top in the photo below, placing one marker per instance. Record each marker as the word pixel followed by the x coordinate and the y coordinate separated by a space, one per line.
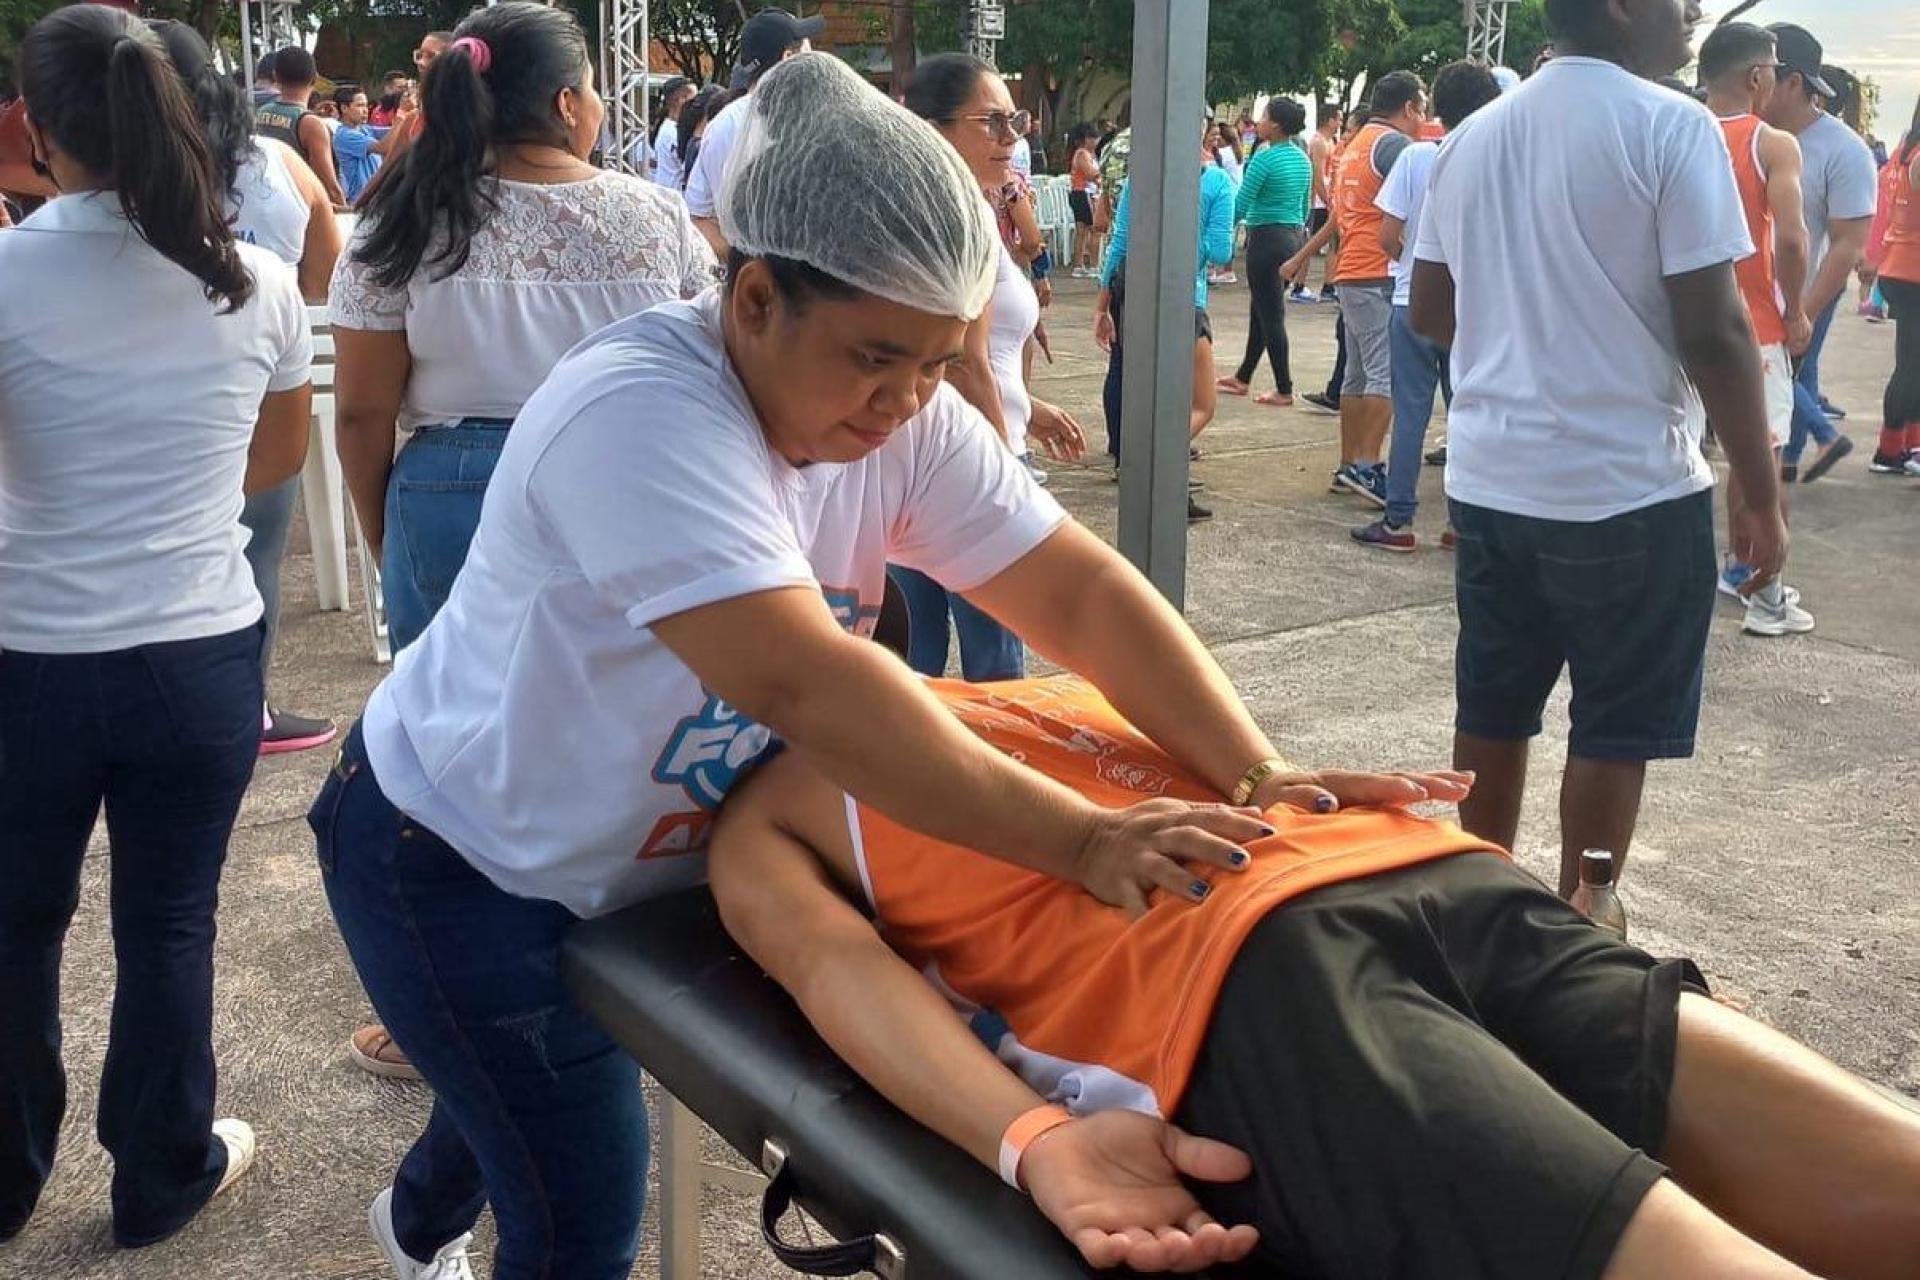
pixel 1357 184
pixel 1093 1009
pixel 1086 177
pixel 1759 287
pixel 1900 259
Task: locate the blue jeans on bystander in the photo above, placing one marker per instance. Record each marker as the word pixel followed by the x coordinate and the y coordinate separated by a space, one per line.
pixel 1419 369
pixel 1809 419
pixel 433 508
pixel 988 651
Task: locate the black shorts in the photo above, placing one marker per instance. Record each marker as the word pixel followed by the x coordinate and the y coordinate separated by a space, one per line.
pixel 1082 202
pixel 1202 325
pixel 1318 219
pixel 1623 604
pixel 1440 1073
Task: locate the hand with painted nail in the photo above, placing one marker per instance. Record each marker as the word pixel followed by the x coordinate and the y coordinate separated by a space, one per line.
pixel 1332 789
pixel 1157 844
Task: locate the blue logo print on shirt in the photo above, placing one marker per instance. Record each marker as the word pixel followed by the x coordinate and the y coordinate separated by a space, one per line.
pixel 710 751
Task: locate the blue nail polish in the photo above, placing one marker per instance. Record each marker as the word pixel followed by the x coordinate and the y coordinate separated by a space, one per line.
pixel 1268 831
pixel 1324 804
pixel 1201 888
pixel 1239 857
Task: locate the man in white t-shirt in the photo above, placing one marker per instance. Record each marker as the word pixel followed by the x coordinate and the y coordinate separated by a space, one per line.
pixel 1419 367
pixel 674 97
pixel 769 38
pixel 1576 252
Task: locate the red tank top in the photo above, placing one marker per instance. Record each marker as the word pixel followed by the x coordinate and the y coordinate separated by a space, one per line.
pixel 1759 287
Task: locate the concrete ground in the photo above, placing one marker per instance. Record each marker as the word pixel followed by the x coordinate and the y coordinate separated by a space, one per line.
pixel 1783 857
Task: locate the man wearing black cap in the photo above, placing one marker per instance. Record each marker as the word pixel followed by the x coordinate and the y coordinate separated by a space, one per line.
pixel 1838 190
pixel 769 38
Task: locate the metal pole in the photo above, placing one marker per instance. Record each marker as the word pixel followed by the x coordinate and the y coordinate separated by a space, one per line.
pixel 1169 104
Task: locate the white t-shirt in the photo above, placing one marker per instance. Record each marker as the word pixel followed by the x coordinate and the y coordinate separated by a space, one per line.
pixel 538 725
pixel 266 205
pixel 1015 314
pixel 666 155
pixel 1226 159
pixel 127 403
pixel 1402 196
pixel 710 162
pixel 1022 162
pixel 1838 180
pixel 554 263
pixel 1561 208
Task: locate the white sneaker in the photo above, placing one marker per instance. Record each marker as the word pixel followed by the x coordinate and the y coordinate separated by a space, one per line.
pixel 237 1137
pixel 1780 616
pixel 448 1264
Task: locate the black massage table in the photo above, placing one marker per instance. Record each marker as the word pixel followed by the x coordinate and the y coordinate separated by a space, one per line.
pixel 667 982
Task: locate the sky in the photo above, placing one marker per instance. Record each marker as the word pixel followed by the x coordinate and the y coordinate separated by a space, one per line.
pixel 1878 38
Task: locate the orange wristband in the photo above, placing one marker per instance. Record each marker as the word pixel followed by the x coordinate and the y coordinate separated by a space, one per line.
pixel 1021 1134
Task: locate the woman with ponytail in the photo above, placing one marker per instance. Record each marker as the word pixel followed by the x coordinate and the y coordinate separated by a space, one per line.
pixel 152 372
pixel 274 200
pixel 485 251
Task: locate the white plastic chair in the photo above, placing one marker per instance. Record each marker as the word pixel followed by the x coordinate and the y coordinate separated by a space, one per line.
pixel 328 511
pixel 1054 209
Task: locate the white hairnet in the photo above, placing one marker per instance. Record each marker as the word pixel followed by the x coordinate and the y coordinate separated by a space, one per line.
pixel 830 171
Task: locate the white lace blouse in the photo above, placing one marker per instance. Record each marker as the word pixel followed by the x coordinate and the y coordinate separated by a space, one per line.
pixel 553 264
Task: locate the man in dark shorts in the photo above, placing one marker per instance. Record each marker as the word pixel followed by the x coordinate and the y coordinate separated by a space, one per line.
pixel 1388 1053
pixel 1579 293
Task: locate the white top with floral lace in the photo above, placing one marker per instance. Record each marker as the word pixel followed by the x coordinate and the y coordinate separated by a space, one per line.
pixel 553 264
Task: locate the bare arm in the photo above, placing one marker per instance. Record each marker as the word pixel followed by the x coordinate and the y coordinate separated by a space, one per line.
pixel 322 246
pixel 279 446
pixel 1318 151
pixel 1027 222
pixel 1780 154
pixel 1846 245
pixel 398 135
pixel 316 145
pixel 972 375
pixel 1431 307
pixel 1719 354
pixel 370 380
pixel 1294 269
pixel 902 752
pixel 1393 236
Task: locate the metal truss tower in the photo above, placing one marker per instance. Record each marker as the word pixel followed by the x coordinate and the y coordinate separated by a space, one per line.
pixel 986 28
pixel 626 38
pixel 267 25
pixel 1487 30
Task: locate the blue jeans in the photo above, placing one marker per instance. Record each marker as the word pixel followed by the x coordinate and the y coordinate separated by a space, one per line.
pixel 988 651
pixel 535 1109
pixel 267 516
pixel 1419 368
pixel 164 737
pixel 1808 417
pixel 433 507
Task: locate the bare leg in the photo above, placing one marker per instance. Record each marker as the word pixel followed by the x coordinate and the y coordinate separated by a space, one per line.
pixel 1492 812
pixel 1792 1150
pixel 1376 420
pixel 1599 808
pixel 1671 1236
pixel 1206 397
pixel 1349 427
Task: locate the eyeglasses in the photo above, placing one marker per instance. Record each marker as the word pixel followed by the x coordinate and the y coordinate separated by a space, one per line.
pixel 1002 125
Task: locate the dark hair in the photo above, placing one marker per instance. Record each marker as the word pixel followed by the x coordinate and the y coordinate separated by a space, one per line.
pixel 701 107
pixel 1911 142
pixel 263 70
pixel 1584 24
pixel 1734 46
pixel 1082 133
pixel 1460 89
pixel 437 185
pixel 941 85
pixel 99 82
pixel 226 118
pixel 798 283
pixel 391 76
pixel 1213 139
pixel 391 101
pixel 1394 92
pixel 1287 116
pixel 344 95
pixel 444 37
pixel 293 66
pixel 1328 111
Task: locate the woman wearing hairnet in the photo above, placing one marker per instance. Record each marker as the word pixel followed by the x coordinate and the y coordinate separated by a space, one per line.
pixel 682 549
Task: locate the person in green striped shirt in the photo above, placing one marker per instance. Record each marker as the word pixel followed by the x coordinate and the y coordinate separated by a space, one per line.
pixel 1274 197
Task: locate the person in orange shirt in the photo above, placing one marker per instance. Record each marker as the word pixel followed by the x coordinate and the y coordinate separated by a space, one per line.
pixel 1895 255
pixel 1738 68
pixel 1379 1049
pixel 1398 111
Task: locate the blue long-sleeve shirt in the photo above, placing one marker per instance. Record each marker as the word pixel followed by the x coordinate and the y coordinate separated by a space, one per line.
pixel 1216 230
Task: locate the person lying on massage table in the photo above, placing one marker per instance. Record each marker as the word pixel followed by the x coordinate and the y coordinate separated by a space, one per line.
pixel 1433 1066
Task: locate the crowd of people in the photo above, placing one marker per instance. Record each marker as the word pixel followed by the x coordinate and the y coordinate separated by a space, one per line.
pixel 641 457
